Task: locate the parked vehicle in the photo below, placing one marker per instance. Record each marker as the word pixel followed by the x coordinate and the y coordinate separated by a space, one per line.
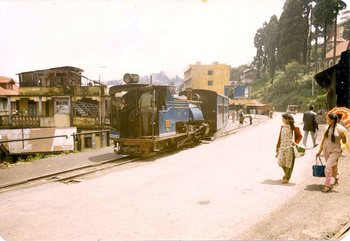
pixel 292 109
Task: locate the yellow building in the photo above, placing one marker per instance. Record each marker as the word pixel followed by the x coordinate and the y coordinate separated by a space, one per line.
pixel 208 77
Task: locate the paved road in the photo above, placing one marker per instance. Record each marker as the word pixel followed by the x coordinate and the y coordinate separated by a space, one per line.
pixel 220 190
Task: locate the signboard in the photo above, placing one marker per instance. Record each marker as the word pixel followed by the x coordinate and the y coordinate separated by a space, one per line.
pixel 242 92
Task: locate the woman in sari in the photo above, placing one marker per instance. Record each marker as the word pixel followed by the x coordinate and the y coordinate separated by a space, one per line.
pixel 284 148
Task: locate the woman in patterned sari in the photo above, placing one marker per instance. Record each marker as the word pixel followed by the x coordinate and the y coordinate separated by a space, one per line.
pixel 284 148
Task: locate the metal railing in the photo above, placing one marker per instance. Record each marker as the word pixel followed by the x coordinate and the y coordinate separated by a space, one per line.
pixel 34 138
pixel 20 121
pixel 86 109
pixel 34 122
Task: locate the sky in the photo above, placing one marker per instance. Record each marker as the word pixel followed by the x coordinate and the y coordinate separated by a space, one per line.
pixel 108 38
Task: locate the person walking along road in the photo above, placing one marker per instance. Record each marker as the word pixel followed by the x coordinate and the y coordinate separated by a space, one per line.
pixel 284 149
pixel 310 125
pixel 334 135
pixel 241 117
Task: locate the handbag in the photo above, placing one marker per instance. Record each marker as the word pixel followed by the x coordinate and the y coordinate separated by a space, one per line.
pixel 299 150
pixel 318 170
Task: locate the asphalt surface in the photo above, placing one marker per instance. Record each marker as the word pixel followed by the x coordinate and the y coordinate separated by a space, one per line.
pixel 246 201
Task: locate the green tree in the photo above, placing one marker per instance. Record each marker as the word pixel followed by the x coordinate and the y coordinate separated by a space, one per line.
pixel 294 70
pixel 346 33
pixel 260 58
pixel 326 11
pixel 271 45
pixel 291 33
pixel 307 35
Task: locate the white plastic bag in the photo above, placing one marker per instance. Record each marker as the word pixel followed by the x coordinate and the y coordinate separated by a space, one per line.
pixel 299 150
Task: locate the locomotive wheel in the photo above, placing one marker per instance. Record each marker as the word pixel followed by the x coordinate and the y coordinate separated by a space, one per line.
pixel 172 145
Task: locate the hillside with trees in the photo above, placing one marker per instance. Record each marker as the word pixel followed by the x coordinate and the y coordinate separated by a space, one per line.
pixel 290 48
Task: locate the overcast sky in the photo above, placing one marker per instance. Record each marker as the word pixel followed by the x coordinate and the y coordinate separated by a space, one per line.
pixel 110 38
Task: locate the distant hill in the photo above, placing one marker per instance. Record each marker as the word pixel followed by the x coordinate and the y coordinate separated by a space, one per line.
pixel 157 78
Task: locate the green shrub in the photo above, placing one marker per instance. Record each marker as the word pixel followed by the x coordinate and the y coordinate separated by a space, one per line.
pixel 289 87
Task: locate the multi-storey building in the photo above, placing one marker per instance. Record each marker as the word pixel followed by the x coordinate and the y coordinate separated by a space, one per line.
pixel 52 101
pixel 8 88
pixel 208 77
pixel 340 47
pixel 248 75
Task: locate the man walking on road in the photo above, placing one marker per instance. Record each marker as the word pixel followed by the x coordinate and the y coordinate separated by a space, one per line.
pixel 310 125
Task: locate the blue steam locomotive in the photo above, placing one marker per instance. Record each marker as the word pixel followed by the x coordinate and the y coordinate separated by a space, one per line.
pixel 179 121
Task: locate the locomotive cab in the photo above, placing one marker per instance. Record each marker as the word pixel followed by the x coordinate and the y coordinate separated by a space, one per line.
pixel 126 116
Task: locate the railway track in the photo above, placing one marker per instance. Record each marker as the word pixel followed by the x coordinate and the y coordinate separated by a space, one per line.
pixel 235 130
pixel 69 175
pixel 342 232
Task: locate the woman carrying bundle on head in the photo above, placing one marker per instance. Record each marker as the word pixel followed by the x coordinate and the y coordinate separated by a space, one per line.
pixel 334 135
pixel 284 149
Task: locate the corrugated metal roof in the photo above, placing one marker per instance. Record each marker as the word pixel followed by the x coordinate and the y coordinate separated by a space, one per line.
pixel 4 79
pixel 71 68
pixel 339 39
pixel 341 47
pixel 5 92
pixel 243 102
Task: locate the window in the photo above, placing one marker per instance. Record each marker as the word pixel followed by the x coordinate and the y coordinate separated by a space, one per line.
pixel 330 63
pixel 210 82
pixel 59 81
pixel 46 108
pixel 3 106
pixel 62 106
pixel 210 72
pixel 31 108
pixel 88 141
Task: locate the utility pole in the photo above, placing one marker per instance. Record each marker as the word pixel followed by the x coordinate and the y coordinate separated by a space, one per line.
pixel 335 37
pixel 102 67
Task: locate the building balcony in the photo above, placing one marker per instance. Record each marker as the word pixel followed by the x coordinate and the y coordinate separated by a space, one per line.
pixel 62 91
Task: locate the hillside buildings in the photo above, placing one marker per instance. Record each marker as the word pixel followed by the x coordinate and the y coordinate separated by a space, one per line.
pixel 248 75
